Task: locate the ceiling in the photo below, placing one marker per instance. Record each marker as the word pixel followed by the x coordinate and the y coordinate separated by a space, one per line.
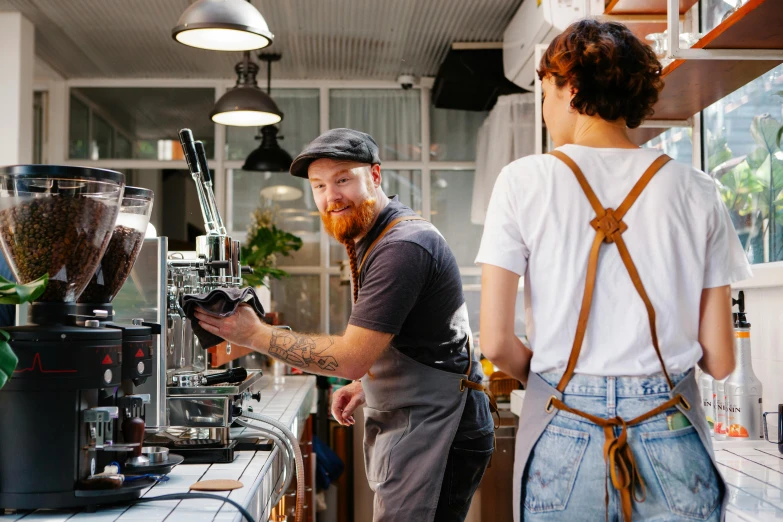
pixel 319 39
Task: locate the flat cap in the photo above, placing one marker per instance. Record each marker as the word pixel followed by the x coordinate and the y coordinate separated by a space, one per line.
pixel 338 144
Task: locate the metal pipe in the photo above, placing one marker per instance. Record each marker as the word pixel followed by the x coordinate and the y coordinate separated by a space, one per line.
pixel 189 150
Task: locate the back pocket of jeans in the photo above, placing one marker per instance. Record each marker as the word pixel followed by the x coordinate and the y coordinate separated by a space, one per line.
pixel 552 468
pixel 684 471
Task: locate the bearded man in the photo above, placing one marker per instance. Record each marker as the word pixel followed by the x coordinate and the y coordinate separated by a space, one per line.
pixel 428 428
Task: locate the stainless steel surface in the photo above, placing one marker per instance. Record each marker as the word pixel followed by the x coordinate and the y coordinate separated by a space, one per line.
pixel 141 460
pixel 155 454
pixel 92 323
pixel 200 412
pixel 144 295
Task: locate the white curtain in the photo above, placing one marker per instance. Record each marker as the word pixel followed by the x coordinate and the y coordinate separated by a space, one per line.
pixel 391 116
pixel 507 134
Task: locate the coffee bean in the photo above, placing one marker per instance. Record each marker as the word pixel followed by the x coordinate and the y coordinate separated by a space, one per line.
pixel 115 266
pixel 60 235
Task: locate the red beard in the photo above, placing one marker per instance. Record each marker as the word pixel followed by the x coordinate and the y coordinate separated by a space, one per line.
pixel 356 221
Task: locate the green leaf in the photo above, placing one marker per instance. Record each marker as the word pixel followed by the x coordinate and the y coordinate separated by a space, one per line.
pixel 8 360
pixel 764 130
pixel 18 294
pixel 780 135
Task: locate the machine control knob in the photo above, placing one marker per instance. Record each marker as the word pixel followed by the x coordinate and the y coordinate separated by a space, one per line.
pixel 92 323
pixel 256 396
pixel 137 322
pixel 236 410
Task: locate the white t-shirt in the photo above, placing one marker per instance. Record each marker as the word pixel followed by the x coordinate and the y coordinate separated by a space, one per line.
pixel 680 238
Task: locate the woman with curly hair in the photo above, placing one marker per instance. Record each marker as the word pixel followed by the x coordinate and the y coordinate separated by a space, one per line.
pixel 627 259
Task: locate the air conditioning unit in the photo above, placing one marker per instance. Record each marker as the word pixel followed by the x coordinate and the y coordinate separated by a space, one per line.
pixel 538 22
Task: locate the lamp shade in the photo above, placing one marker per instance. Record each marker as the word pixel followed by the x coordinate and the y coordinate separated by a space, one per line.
pixel 246 106
pixel 269 156
pixel 222 25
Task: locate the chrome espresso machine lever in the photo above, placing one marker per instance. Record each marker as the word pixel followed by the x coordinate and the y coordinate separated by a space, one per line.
pixel 189 402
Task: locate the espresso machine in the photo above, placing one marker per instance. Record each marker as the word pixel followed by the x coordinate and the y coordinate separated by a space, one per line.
pixel 191 408
pixel 64 416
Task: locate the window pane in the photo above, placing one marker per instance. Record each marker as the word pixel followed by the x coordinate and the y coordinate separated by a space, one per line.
pixel 451 193
pixel 713 11
pixel 149 117
pixel 453 134
pixel 742 154
pixel 78 129
pixel 471 287
pixel 298 299
pixel 39 126
pixel 676 143
pixel 391 116
pixel 403 183
pixel 123 147
pixel 290 201
pixel 339 305
pixel 299 127
pixel 101 138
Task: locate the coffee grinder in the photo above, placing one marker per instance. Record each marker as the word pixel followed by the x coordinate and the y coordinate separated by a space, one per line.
pixel 58 411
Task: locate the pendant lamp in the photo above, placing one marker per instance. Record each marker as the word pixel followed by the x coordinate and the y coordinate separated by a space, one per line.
pixel 269 156
pixel 245 105
pixel 222 25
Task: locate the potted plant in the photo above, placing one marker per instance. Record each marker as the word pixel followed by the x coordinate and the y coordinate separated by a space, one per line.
pixel 264 243
pixel 14 294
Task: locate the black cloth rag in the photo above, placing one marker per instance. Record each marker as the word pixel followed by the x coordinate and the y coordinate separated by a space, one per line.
pixel 222 302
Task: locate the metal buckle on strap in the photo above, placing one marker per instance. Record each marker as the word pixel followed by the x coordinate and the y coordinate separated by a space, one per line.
pixel 462 385
pixel 685 403
pixel 550 407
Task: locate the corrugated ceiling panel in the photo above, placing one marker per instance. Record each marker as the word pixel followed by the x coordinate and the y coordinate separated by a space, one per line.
pixel 319 39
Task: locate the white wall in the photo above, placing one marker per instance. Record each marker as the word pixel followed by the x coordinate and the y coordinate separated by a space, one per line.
pixel 764 307
pixel 17 60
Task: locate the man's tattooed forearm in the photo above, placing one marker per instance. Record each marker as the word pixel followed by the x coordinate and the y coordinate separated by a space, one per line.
pixel 302 350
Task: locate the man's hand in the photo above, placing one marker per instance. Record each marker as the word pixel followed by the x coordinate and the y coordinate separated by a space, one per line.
pixel 345 401
pixel 242 328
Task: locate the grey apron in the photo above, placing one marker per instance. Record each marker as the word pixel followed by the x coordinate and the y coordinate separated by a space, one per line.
pixel 411 417
pixel 543 400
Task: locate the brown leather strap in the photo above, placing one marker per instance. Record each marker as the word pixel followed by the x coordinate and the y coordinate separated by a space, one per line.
pixel 384 232
pixel 618 456
pixel 609 228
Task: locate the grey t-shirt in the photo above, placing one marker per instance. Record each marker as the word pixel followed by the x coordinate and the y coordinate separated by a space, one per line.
pixel 410 286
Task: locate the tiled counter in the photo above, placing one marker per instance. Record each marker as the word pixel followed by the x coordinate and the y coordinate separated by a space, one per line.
pixel 259 471
pixel 752 469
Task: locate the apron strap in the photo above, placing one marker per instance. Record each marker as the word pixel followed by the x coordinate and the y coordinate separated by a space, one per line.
pixel 609 228
pixel 383 233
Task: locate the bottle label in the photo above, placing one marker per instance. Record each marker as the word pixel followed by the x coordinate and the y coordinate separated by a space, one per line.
pixel 721 427
pixel 744 414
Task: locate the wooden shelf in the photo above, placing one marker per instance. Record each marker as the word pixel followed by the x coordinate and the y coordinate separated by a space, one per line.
pixel 693 85
pixel 646 7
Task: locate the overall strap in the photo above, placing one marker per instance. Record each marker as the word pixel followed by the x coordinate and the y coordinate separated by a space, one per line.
pixel 609 228
pixel 383 233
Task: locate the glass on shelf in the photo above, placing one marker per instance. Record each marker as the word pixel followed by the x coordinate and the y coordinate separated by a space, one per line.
pixel 660 47
pixel 731 10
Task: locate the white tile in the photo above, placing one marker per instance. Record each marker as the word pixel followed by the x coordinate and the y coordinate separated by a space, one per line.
pixel 222 474
pixel 232 466
pixel 190 469
pixel 202 504
pixel 146 513
pixel 50 515
pixel 11 518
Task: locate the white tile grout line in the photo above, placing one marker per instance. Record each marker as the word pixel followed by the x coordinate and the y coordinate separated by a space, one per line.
pixel 746 457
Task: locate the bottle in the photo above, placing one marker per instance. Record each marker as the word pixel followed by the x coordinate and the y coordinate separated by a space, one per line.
pixel 707 395
pixel 719 401
pixel 743 388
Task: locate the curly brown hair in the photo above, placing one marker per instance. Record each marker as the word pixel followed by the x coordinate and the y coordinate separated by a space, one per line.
pixel 615 74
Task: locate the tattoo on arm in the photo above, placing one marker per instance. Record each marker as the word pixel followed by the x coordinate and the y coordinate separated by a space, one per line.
pixel 302 350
